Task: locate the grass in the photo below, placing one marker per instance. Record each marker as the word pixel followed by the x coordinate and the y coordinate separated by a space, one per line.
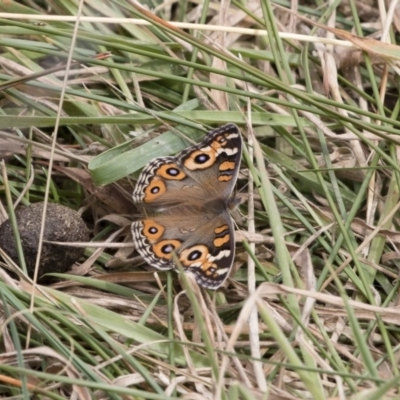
pixel 310 310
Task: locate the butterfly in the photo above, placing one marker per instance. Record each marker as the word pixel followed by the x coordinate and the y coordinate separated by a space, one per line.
pixel 186 201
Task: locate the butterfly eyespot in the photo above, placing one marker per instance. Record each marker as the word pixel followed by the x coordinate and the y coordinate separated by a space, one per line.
pixel 155 190
pixel 194 255
pixel 152 230
pixel 173 171
pixel 168 248
pixel 201 158
pixel 170 171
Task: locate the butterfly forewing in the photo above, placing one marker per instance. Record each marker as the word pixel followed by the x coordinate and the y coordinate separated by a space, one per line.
pixel 215 162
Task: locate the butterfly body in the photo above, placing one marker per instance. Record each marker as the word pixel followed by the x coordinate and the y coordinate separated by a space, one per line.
pixel 186 202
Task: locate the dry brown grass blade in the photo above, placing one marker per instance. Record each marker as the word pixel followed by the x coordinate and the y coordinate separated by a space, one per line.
pixel 270 290
pixel 385 51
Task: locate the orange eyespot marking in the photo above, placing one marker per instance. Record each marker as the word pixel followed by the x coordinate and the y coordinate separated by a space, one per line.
pixel 152 230
pixel 155 189
pixel 193 255
pixel 201 159
pixel 165 248
pixel 170 171
pixel 224 178
pixel 221 140
pixel 221 229
pixel 219 242
pixel 227 166
pixel 209 269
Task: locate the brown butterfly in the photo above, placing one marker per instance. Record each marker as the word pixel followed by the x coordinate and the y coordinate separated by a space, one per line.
pixel 186 202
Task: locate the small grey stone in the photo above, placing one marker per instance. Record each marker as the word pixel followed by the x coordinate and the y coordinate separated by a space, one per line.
pixel 62 225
